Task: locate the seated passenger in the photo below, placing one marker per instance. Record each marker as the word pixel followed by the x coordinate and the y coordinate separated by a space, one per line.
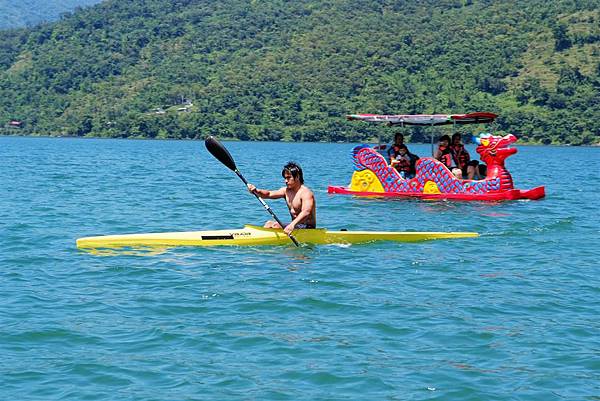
pixel 460 156
pixel 482 171
pixel 398 140
pixel 443 152
pixel 476 170
pixel 404 161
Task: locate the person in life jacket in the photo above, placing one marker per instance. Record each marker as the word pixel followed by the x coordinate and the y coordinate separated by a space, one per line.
pixel 404 161
pixel 460 156
pixel 443 152
pixel 398 140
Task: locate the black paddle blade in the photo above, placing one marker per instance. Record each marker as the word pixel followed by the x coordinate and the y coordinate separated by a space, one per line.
pixel 220 152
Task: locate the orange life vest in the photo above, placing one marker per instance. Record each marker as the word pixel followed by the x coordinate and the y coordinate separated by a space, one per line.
pixel 460 155
pixel 446 156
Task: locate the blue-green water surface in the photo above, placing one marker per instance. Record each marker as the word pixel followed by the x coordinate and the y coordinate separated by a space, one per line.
pixel 511 315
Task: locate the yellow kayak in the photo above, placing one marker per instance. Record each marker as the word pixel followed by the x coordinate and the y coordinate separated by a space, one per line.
pixel 253 235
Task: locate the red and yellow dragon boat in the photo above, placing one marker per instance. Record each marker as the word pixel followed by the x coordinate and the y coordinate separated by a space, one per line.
pixel 373 176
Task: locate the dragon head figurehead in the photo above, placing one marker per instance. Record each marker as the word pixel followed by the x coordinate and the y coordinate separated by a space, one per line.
pixel 494 149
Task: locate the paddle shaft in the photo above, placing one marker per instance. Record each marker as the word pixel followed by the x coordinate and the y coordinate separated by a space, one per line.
pixel 221 153
pixel 267 207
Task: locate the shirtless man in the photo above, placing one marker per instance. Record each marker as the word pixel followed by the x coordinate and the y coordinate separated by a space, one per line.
pixel 299 198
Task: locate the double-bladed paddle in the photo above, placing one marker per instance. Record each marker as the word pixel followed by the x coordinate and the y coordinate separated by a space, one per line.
pixel 222 154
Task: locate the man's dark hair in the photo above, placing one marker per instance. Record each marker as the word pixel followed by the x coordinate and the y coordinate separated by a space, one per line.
pixel 398 135
pixel 295 170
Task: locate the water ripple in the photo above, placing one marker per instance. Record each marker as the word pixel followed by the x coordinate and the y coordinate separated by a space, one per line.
pixel 509 315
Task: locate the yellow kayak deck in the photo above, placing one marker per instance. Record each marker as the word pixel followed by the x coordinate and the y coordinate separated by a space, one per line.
pixel 253 235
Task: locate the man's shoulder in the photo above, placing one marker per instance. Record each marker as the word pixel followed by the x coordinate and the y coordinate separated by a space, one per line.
pixel 306 190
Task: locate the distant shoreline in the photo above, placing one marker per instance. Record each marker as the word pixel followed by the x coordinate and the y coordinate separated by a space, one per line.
pixel 132 138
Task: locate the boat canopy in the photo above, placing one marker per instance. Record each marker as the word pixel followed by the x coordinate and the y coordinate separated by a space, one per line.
pixel 425 119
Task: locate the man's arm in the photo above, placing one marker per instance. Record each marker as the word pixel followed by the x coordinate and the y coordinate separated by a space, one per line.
pixel 266 194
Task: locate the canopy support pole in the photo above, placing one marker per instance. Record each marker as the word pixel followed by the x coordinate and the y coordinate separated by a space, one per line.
pixel 453 131
pixel 432 133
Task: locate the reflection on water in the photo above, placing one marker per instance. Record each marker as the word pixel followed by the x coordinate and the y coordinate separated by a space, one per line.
pixel 126 251
pixel 293 258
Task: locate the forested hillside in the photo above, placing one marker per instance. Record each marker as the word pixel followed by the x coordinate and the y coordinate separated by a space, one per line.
pixel 20 13
pixel 291 70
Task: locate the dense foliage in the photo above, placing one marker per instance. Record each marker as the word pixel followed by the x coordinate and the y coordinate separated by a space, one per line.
pixel 20 13
pixel 291 70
